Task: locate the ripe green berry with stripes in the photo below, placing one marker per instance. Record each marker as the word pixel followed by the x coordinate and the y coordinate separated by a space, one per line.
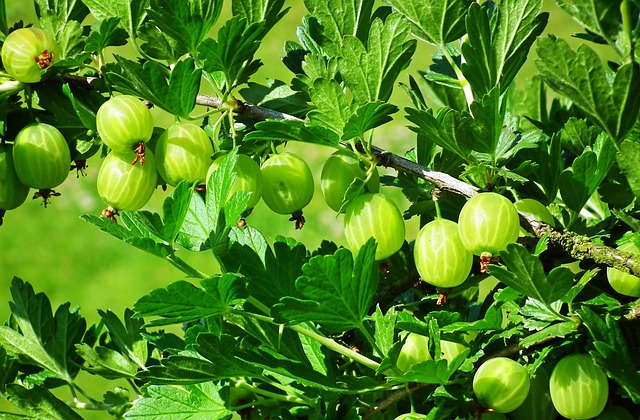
pixel 625 283
pixel 42 158
pixel 338 173
pixel 124 186
pixel 374 216
pixel 287 185
pixel 579 388
pixel 125 124
pixel 26 52
pixel 501 384
pixel 248 177
pixel 12 191
pixel 183 153
pixel 440 257
pixel 487 223
pixel 415 349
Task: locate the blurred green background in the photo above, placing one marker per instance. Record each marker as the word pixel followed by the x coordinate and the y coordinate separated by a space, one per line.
pixel 71 261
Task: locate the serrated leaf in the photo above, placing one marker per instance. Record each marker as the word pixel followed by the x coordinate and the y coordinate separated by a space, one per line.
pixel 610 102
pixel 427 372
pixel 628 159
pixel 40 403
pixel 333 107
pixel 368 117
pixel 560 329
pixel 612 351
pixel 270 272
pixel 496 48
pixel 177 95
pixel 449 129
pixel 291 130
pixel 277 95
pixel 105 34
pixel 589 169
pixel 175 208
pixel 525 273
pixel 183 302
pixel 384 329
pixel 193 402
pixel 127 337
pixel 135 230
pixel 435 22
pixel 232 53
pixel 44 339
pixel 130 12
pixel 85 103
pixel 370 71
pixel 273 361
pixel 106 362
pixel 600 17
pixel 337 290
pixel 339 18
pixel 187 22
pixel 62 19
pixel 269 11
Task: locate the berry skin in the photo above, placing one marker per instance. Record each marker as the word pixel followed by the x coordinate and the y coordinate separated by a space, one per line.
pixel 579 388
pixel 123 123
pixel 487 223
pixel 41 156
pixel 625 283
pixel 124 186
pixel 377 216
pixel 501 384
pixel 26 52
pixel 440 257
pixel 12 192
pixel 287 183
pixel 338 172
pixel 183 153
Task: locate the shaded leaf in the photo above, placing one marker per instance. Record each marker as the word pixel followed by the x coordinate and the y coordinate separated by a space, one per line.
pixel 105 34
pixel 290 130
pixel 40 403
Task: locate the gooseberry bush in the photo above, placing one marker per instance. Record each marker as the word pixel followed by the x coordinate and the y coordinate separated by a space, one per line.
pixel 391 326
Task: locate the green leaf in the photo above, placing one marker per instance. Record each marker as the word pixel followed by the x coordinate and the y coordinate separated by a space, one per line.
pixel 338 291
pixel 270 272
pixel 105 34
pixel 43 339
pixel 269 11
pixel 368 117
pixel 176 95
pixel 560 329
pixel 292 130
pixel 333 106
pixel 496 49
pixel 106 362
pixel 4 28
pixel 524 272
pixel 207 222
pixel 628 159
pixel 339 18
pixel 427 372
pixel 137 229
pixel 370 72
pixel 40 403
pixel 436 22
pixel 232 53
pixel 127 337
pixel 187 21
pixel 449 129
pixel 183 302
pixel 601 17
pixel 589 169
pixel 612 351
pixel 384 329
pixel 63 18
pixel 130 12
pixel 277 95
pixel 609 100
pixel 192 402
